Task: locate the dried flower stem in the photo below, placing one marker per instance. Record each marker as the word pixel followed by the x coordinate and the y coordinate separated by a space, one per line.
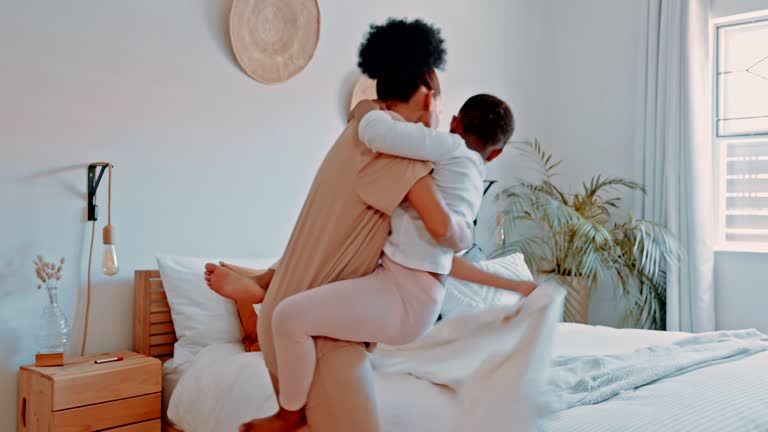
pixel 47 271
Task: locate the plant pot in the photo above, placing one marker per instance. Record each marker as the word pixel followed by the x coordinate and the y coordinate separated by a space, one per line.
pixel 577 299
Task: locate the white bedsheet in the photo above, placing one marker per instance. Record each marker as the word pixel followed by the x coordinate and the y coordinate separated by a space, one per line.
pixel 722 398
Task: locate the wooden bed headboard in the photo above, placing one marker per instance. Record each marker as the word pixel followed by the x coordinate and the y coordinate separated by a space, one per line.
pixel 153 332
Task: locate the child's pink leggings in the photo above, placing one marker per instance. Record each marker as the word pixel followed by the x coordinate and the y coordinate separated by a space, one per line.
pixel 393 305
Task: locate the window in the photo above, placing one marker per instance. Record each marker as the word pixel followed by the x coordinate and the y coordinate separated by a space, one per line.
pixel 741 128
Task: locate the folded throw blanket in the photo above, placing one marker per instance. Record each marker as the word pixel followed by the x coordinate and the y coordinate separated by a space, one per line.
pixel 587 380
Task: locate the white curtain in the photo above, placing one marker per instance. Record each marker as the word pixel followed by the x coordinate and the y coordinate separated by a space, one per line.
pixel 675 150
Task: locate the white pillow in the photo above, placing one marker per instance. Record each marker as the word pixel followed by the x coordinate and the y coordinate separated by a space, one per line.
pixel 200 316
pixel 463 297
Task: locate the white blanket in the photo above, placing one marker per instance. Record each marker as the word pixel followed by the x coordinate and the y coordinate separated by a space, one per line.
pixel 226 386
pixel 496 360
pixel 727 397
pixel 591 379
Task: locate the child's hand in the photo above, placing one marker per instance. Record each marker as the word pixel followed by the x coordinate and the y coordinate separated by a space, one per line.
pixel 364 107
pixel 526 288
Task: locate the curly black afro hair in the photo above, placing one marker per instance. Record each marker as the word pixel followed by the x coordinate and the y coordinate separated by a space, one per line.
pixel 402 55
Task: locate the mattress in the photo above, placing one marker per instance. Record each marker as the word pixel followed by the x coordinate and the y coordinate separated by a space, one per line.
pixel 225 386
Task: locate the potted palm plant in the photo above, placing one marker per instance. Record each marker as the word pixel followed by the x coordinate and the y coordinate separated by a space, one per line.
pixel 577 239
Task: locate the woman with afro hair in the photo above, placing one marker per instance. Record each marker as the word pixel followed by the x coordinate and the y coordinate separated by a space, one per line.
pixel 342 229
pixel 401 298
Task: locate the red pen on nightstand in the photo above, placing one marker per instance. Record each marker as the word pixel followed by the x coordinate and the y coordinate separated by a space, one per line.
pixel 108 360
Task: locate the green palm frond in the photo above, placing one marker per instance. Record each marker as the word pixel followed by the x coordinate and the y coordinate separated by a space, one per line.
pixel 591 249
pixel 600 183
pixel 647 306
pixel 534 151
pixel 554 192
pixel 605 206
pixel 592 204
pixel 560 216
pixel 654 248
pixel 527 188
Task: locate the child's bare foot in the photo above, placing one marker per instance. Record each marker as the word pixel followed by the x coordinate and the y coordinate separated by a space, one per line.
pixel 232 285
pixel 283 421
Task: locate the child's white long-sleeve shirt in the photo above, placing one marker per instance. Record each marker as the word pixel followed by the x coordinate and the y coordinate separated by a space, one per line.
pixel 458 175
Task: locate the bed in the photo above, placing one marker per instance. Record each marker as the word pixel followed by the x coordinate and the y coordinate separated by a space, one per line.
pixel 732 396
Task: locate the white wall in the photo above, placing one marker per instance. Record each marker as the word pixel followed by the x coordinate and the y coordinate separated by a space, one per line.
pixel 208 162
pixel 721 8
pixel 740 283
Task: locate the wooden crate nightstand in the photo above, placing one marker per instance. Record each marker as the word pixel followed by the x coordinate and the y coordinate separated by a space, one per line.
pixel 81 396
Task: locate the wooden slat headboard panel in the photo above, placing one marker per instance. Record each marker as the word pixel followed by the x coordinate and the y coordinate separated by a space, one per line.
pixel 153 331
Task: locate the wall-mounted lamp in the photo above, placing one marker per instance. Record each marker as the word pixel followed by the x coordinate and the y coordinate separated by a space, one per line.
pixel 109 261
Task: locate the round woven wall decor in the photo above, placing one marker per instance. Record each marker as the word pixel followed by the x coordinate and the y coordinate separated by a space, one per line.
pixel 274 40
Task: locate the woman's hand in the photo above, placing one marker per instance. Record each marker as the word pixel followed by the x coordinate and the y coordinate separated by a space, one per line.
pixel 364 107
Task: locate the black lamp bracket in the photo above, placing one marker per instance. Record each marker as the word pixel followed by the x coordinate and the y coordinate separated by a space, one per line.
pixel 488 185
pixel 93 184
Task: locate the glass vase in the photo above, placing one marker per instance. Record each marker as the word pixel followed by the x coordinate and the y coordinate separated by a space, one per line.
pixel 54 326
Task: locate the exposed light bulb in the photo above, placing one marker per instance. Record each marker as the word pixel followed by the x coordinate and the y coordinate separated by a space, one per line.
pixel 109 263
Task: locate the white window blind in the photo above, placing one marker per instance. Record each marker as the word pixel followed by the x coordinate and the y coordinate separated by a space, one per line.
pixel 741 128
pixel 746 191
